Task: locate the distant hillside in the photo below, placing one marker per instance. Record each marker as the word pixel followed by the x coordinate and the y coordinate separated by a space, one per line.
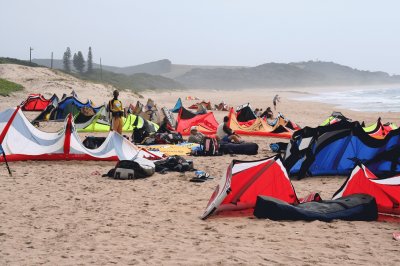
pixel 135 82
pixel 270 75
pixel 274 75
pixel 154 68
pixel 179 70
pixel 162 67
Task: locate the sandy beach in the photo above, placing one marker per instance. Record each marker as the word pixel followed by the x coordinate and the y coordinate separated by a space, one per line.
pixel 64 213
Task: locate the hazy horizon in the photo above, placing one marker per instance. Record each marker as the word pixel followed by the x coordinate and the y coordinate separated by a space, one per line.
pixel 359 34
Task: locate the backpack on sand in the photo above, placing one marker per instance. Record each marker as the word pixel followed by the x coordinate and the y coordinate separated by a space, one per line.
pixel 127 169
pixel 208 147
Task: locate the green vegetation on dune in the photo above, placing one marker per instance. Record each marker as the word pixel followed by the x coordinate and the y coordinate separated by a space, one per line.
pixel 8 60
pixel 7 87
pixel 136 82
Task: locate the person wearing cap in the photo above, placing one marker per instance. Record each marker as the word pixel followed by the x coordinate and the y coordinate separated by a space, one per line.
pixel 195 135
pixel 116 110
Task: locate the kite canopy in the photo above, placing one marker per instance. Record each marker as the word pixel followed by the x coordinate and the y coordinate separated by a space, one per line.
pixel 377 130
pixel 87 114
pixel 245 180
pixel 37 102
pixel 149 111
pixel 245 113
pixel 280 127
pixel 137 109
pixel 130 123
pixel 177 106
pixel 170 117
pixel 205 123
pixel 192 98
pixel 222 107
pixel 335 117
pixel 385 191
pixel 68 105
pixel 334 149
pixel 22 141
pixel 206 105
pixel 201 109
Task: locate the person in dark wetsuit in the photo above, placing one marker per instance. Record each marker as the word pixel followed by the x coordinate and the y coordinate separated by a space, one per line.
pixel 267 113
pixel 165 127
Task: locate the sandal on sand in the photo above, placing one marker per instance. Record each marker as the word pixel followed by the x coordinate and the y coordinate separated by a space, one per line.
pixel 198 180
pixel 200 177
pixel 396 236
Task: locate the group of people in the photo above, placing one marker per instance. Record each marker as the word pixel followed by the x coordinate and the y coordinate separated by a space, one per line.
pixel 224 132
pixel 268 113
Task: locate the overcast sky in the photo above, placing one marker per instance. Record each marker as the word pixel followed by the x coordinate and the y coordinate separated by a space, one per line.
pixel 359 33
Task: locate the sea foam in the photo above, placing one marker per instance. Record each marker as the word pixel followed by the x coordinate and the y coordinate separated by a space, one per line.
pixel 366 100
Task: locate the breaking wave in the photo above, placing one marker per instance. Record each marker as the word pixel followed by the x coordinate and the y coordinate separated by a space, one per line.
pixel 366 100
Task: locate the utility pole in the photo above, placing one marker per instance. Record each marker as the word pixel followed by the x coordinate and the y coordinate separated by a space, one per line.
pixel 101 71
pixel 51 64
pixel 30 54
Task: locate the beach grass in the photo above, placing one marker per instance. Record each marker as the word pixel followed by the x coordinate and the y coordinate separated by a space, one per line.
pixel 7 87
pixel 9 60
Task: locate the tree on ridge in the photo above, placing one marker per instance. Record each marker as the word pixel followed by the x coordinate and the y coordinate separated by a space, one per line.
pixel 67 60
pixel 89 61
pixel 79 62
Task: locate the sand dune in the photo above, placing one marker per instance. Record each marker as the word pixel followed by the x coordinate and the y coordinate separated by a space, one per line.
pixel 63 213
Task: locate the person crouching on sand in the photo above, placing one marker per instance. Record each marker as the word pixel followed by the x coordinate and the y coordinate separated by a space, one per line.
pixel 195 136
pixel 115 107
pixel 226 134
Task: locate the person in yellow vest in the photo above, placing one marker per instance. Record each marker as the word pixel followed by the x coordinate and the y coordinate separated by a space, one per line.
pixel 115 107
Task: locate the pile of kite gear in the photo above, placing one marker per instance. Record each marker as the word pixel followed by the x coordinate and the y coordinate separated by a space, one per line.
pixel 174 163
pixel 263 186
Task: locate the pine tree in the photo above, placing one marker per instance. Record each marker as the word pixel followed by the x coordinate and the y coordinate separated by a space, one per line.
pixel 79 62
pixel 67 60
pixel 89 61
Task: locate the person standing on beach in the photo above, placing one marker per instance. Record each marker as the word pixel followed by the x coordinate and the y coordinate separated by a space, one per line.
pixel 115 107
pixel 275 100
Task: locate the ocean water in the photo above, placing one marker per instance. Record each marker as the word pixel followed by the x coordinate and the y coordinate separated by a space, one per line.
pixel 366 100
